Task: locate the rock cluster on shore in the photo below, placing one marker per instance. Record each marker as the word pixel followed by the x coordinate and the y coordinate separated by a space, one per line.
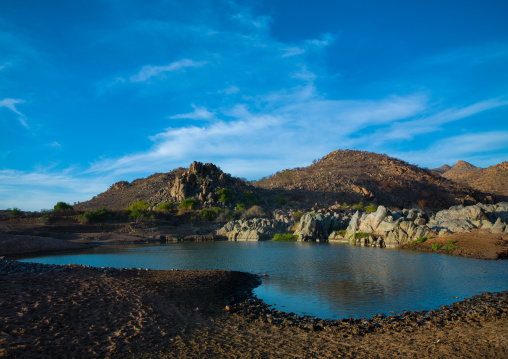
pixel 382 228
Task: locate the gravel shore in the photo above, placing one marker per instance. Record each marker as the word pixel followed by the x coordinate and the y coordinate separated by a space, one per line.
pixel 52 311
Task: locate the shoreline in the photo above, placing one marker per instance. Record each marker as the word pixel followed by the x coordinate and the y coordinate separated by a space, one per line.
pixel 175 313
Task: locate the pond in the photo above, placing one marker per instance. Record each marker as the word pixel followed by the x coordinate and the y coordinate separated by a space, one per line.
pixel 325 280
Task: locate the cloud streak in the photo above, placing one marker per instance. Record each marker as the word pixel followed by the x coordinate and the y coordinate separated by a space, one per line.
pixel 11 103
pixel 149 71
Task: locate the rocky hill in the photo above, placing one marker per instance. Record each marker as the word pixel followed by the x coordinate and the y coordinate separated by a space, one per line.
pixel 493 179
pixel 354 176
pixel 123 193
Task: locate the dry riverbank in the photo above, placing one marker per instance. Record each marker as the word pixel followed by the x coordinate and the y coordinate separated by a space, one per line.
pixel 75 311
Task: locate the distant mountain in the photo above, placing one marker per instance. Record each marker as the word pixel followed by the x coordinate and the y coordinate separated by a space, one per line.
pixel 354 176
pixel 442 169
pixel 493 179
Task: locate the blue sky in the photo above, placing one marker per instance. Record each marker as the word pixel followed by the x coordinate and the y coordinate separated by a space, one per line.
pixel 93 92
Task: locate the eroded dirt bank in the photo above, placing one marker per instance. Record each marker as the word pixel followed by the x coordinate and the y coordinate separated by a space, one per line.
pixel 74 311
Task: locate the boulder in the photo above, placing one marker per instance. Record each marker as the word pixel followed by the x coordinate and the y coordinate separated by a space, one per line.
pixel 257 229
pixel 317 227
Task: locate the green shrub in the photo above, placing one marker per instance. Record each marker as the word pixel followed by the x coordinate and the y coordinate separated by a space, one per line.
pixel 436 246
pixel 98 215
pixel 279 201
pixel 450 246
pixel 210 214
pixel 421 239
pixel 225 195
pixel 371 208
pixel 138 215
pixel 358 206
pixel 15 213
pixel 188 203
pixel 284 237
pixel 297 216
pixel 344 205
pixel 44 219
pixel 240 207
pixel 140 205
pixel 360 235
pixel 250 199
pixel 165 207
pixel 62 206
pixel 342 232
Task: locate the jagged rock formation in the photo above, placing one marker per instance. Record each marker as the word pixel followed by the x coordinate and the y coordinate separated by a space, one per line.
pixel 354 176
pixel 318 227
pixel 441 170
pixel 201 181
pixel 493 179
pixel 257 229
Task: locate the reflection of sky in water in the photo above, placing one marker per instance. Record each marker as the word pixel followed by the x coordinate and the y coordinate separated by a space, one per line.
pixel 324 280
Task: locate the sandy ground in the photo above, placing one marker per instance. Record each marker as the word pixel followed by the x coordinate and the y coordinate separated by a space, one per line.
pixel 11 244
pixel 477 244
pixel 74 312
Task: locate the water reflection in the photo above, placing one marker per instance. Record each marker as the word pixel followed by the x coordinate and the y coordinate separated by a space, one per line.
pixel 324 280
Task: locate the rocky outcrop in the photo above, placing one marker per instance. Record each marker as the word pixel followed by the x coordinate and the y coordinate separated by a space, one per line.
pixel 257 229
pixel 317 227
pixel 201 181
pixel 459 219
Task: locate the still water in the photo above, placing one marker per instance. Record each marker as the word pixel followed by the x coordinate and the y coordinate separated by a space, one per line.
pixel 320 279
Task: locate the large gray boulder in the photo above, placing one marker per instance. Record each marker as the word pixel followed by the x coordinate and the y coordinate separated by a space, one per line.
pixel 317 227
pixel 257 229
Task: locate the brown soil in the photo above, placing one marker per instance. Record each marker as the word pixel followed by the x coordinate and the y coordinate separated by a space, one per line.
pixel 86 312
pixel 493 179
pixel 480 245
pixel 23 244
pixel 354 176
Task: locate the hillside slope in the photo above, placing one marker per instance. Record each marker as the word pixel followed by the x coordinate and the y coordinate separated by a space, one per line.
pixel 354 176
pixel 493 179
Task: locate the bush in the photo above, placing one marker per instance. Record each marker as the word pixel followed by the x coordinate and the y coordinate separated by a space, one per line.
pixel 450 246
pixel 140 205
pixel 358 206
pixel 138 215
pixel 98 215
pixel 62 206
pixel 165 207
pixel 250 199
pixel 188 203
pixel 342 232
pixel 436 246
pixel 371 208
pixel 279 201
pixel 254 212
pixel 240 207
pixel 421 239
pixel 284 237
pixel 44 219
pixel 360 235
pixel 297 216
pixel 15 213
pixel 225 195
pixel 210 214
pixel 343 205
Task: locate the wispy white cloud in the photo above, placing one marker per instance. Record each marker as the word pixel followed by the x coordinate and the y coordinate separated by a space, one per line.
pixel 38 190
pixel 199 113
pixel 149 71
pixel 10 103
pixel 481 149
pixel 54 145
pixel 434 122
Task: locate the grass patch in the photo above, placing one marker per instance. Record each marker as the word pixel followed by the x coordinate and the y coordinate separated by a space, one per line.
pixel 450 246
pixel 285 237
pixel 359 206
pixel 341 232
pixel 436 246
pixel 421 239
